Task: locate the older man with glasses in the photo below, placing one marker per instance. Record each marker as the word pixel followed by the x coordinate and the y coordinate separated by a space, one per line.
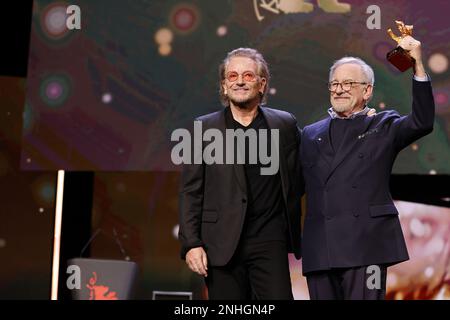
pixel 352 232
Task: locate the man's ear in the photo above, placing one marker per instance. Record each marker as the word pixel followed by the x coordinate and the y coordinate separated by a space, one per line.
pixel 368 92
pixel 224 87
pixel 262 86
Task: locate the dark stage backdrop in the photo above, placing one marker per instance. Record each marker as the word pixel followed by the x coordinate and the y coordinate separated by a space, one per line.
pixel 26 207
pixel 108 96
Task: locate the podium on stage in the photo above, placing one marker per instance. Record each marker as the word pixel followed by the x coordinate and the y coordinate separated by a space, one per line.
pixel 103 279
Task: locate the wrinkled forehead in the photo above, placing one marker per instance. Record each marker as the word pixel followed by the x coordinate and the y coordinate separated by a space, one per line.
pixel 348 71
pixel 241 64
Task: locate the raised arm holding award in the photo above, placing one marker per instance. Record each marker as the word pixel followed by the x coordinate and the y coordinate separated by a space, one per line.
pixel 399 57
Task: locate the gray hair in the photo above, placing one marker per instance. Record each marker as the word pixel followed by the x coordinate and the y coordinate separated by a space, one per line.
pixel 263 71
pixel 366 69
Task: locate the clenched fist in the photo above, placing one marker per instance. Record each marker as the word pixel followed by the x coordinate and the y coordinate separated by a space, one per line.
pixel 414 48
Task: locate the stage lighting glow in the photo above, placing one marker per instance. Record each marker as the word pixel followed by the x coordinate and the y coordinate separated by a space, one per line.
pixel 435 246
pixel 175 231
pixel 273 91
pixel 43 190
pixel 443 294
pixel 399 296
pixel 47 191
pixel 425 228
pixel 2 243
pixel 415 147
pixel 441 98
pixel 107 98
pixel 429 271
pixel 56 20
pixel 55 90
pixel 163 36
pixel 433 172
pixel 417 228
pixel 184 18
pixel 165 49
pixel 222 31
pixel 392 279
pixel 438 63
pixel 382 105
pixel 53 20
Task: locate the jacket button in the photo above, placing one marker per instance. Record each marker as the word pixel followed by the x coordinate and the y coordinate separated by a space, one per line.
pixel 355 214
pixel 328 217
pixel 244 200
pixel 361 155
pixel 353 186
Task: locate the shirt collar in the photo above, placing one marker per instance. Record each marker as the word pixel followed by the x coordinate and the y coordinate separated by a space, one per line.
pixel 334 115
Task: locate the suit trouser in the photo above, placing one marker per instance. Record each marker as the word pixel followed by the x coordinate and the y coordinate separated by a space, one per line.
pixel 357 283
pixel 256 271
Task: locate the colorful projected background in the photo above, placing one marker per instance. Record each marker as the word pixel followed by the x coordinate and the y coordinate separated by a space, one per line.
pixel 108 96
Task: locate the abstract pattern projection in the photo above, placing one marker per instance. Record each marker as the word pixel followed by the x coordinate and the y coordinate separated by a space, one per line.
pixel 109 95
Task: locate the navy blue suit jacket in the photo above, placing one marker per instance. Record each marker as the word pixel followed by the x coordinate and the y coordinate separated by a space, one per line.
pixel 350 218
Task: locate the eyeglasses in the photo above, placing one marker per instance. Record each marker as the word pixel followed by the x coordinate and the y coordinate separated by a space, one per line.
pixel 346 85
pixel 247 76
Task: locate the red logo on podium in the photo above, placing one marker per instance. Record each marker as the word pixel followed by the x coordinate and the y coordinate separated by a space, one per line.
pixel 99 292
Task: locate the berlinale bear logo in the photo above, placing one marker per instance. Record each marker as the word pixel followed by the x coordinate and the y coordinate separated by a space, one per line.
pixel 99 292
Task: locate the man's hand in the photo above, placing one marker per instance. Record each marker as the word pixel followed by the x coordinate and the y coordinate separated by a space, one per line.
pixel 372 112
pixel 413 47
pixel 197 261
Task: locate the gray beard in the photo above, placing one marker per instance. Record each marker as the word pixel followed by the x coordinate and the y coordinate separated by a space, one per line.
pixel 243 104
pixel 340 109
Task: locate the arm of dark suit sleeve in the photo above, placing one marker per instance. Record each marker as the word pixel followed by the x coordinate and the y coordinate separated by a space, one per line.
pixel 421 119
pixel 190 206
pixel 191 200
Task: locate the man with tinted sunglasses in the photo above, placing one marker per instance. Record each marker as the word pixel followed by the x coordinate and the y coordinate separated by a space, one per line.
pixel 237 225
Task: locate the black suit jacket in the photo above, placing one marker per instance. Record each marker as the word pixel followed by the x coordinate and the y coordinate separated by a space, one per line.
pixel 350 216
pixel 213 198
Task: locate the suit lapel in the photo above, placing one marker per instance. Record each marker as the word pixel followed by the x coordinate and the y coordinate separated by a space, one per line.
pixel 350 141
pixel 323 142
pixel 273 123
